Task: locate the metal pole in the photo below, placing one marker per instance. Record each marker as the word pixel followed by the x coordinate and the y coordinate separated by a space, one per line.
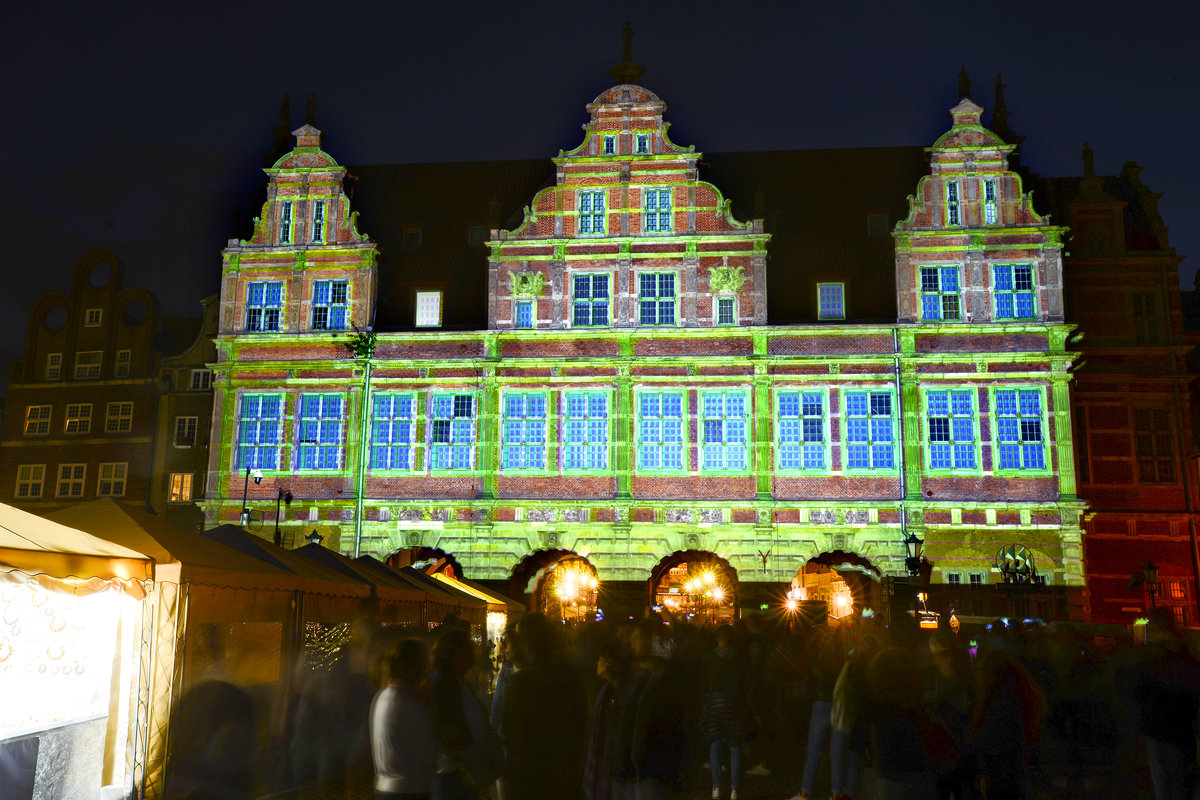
pixel 245 492
pixel 360 477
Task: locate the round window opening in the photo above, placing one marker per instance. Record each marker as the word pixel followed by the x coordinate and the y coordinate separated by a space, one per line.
pixel 100 275
pixel 56 318
pixel 134 313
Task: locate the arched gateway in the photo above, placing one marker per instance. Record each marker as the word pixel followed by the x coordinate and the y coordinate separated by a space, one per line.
pixel 845 582
pixel 697 584
pixel 561 583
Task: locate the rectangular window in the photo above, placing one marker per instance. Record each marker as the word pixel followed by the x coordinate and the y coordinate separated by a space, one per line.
pixel 185 431
pixel 656 298
pixel 112 479
pixel 29 481
pixel 990 208
pixel 70 480
pixel 660 430
pixel 939 293
pixel 392 431
pixel 1155 445
pixel 92 317
pixel 87 364
pixel 1013 290
pixel 1145 319
pixel 79 418
pixel 429 309
pixel 452 432
pixel 950 426
pixel 264 306
pixel 331 305
pixel 952 202
pixel 181 487
pixel 524 444
pixel 658 210
pixel 591 300
pixel 727 311
pixel 118 418
pixel 975 578
pixel 585 431
pixel 201 380
pixel 413 237
pixel 37 420
pixel 610 145
pixel 121 366
pixel 259 431
pixel 954 578
pixel 591 213
pixel 321 425
pixel 831 301
pixel 724 430
pixel 53 366
pixel 318 221
pixel 1019 440
pixel 870 432
pixel 643 143
pixel 285 222
pixel 524 315
pixel 801 429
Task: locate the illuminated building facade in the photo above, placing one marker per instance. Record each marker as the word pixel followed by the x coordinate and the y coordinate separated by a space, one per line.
pixel 630 401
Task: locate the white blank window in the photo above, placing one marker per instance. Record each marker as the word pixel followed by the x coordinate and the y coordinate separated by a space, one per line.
pixel 429 309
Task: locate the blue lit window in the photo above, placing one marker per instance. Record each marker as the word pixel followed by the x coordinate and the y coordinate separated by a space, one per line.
pixel 259 425
pixel 950 417
pixel 660 430
pixel 643 143
pixel 1019 429
pixel 331 305
pixel 285 222
pixel 585 431
pixel 524 430
pixel 321 425
pixel 724 429
pixel 952 216
pixel 590 301
pixel 525 317
pixel 870 437
pixel 656 298
pixel 264 305
pixel 801 429
pixel 658 210
pixel 1013 291
pixel 392 429
pixel 591 213
pixel 831 301
pixel 939 293
pixel 610 144
pixel 452 432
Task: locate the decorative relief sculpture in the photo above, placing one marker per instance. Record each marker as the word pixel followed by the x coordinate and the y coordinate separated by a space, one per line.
pixel 526 284
pixel 725 279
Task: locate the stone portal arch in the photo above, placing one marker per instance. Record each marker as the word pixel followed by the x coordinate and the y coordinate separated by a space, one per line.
pixel 725 578
pixel 430 560
pixel 860 576
pixel 561 584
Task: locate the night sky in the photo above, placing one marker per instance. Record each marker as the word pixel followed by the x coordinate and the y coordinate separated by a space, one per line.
pixel 139 127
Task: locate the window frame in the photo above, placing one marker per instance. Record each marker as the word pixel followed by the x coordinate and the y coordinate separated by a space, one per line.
pixel 184 443
pixel 731 299
pixel 85 369
pixel 180 487
pixel 286 228
pixel 54 366
pixel 1154 433
pixel 684 444
pixel 1014 293
pixel 413 445
pixel 331 305
pixel 527 424
pixel 591 299
pixel 952 196
pixel 565 442
pixel 519 308
pixel 259 449
pixel 927 442
pixel 941 294
pixel 590 214
pixel 1044 431
pixel 205 376
pixel 34 421
pixel 606 140
pixel 657 300
pixel 93 317
pixel 30 481
pixel 432 448
pixel 642 144
pixel 844 395
pixel 841 289
pixel 71 480
pixel 991 205
pixel 747 422
pixel 120 418
pixel 318 222
pixel 260 326
pixel 122 363
pixel 320 448
pixel 418 310
pixel 777 419
pixel 653 195
pixel 84 420
pixel 113 478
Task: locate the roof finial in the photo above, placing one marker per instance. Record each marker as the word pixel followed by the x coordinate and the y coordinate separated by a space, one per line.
pixel 626 71
pixel 1089 161
pixel 964 84
pixel 310 110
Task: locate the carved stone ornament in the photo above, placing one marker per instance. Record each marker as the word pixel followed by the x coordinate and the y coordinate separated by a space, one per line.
pixel 725 279
pixel 526 284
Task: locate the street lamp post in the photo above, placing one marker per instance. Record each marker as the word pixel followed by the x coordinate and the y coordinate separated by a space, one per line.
pixel 1147 575
pixel 912 546
pixel 258 476
pixel 284 497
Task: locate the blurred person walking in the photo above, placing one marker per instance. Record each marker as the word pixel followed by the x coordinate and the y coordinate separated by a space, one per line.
pixel 403 741
pixel 724 720
pixel 459 719
pixel 606 776
pixel 1006 723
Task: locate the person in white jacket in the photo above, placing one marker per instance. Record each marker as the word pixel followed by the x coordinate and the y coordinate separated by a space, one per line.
pixel 403 742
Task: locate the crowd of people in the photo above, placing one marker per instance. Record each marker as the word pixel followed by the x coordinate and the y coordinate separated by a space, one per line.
pixel 639 710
